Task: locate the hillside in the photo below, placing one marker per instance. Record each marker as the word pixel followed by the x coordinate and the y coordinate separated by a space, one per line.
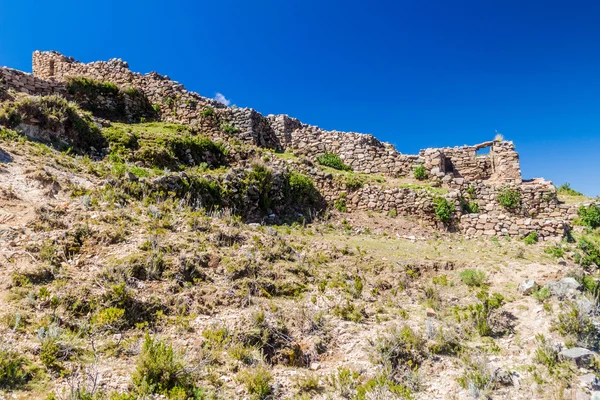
pixel 158 244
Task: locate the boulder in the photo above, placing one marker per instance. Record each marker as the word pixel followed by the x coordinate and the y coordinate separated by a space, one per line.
pixel 589 381
pixel 566 287
pixel 578 355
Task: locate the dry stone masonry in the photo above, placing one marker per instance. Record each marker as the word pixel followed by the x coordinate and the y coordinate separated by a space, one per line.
pixel 466 175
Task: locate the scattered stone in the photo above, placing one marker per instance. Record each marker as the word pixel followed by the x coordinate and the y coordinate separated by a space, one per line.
pixel 131 176
pixel 431 312
pixel 503 377
pixel 589 381
pixel 528 287
pixel 580 356
pixel 575 394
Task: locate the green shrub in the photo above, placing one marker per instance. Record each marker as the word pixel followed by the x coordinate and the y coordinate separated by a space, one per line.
pixel 509 198
pixel 308 383
pixel 349 312
pixel 420 172
pixel 207 112
pixel 20 280
pixel 109 318
pixel 590 216
pixel 383 387
pixel 13 370
pixel 532 238
pixel 565 189
pixel 541 294
pixel 555 250
pixel 302 188
pixel 161 370
pixel 55 114
pixel 545 353
pixel 49 353
pixel 229 129
pixel 444 209
pixel 469 206
pixel 481 313
pixel 333 161
pixel 174 150
pixel 353 182
pixel 473 278
pixel 477 377
pixel 591 251
pixel 445 341
pixel 258 383
pixel 215 337
pixel 163 146
pixel 400 348
pixel 81 86
pixel 574 321
pixel 340 203
pixel 344 382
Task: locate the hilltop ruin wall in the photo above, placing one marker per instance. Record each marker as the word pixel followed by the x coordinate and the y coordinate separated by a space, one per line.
pixel 363 152
pixel 457 168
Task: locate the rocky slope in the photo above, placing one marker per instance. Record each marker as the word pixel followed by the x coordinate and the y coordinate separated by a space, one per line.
pixel 145 260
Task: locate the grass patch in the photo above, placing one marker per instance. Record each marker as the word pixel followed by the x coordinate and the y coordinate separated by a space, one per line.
pixel 473 278
pixel 13 370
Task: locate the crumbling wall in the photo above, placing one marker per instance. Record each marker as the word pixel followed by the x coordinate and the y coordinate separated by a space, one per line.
pixel 27 83
pixel 467 175
pixel 505 164
pixel 173 101
pixel 364 153
pixel 538 210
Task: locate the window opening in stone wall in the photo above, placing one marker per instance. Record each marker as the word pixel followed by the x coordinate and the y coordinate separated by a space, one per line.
pixel 484 151
pixel 51 68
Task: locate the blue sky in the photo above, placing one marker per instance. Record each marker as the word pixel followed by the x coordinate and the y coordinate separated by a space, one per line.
pixel 415 73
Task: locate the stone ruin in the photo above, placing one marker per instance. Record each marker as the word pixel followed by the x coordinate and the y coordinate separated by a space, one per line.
pixel 457 169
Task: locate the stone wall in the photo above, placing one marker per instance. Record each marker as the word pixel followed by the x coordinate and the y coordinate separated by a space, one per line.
pixel 175 103
pixel 27 83
pixel 364 153
pixel 467 175
pixel 539 208
pixel 505 166
pixel 500 165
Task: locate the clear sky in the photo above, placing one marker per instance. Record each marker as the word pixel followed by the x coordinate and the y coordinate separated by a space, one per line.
pixel 415 73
